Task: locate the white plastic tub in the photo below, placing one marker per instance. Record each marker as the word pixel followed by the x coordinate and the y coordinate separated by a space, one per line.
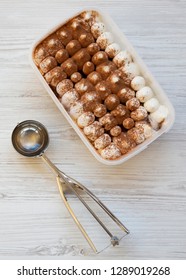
pixel 150 81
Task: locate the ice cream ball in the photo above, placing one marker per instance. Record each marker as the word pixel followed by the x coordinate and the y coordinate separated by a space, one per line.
pixel 86 39
pixel 111 152
pixel 125 94
pixel 54 76
pixel 137 83
pixel 112 101
pixel 112 50
pixel 130 70
pixel 93 48
pixel 100 110
pixel 105 69
pixel 99 58
pixel 144 94
pixel 85 119
pixel 48 64
pixel 76 109
pixel 115 131
pixel 73 46
pixel 132 104
pixel 139 114
pixel 97 29
pixel 64 86
pixel 103 141
pixel 160 114
pixel 94 78
pixel 104 40
pixel 152 105
pixel 64 35
pixel 61 55
pixel 39 54
pixel 69 98
pixel 76 77
pixel 122 58
pixel 69 66
pixel 93 131
pixel 52 44
pixel 88 67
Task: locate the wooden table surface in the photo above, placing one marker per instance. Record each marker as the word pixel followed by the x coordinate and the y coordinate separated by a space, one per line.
pixel 148 192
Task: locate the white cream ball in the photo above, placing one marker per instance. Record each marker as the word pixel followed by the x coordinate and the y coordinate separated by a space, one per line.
pixel 122 58
pixel 76 110
pixel 144 94
pixel 137 83
pixel 69 98
pixel 112 50
pixel 97 29
pixel 130 70
pixel 152 104
pixel 160 114
pixel 85 119
pixel 104 40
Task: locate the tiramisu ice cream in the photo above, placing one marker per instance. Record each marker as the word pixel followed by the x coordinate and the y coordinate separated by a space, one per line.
pixel 99 84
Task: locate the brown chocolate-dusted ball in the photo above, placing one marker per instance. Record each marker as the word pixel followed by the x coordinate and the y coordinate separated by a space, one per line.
pixel 132 104
pixel 64 35
pixel 86 39
pixel 100 110
pixel 64 86
pixel 93 48
pixel 108 121
pixel 94 78
pixel 93 131
pixel 69 66
pixel 136 134
pixel 99 58
pixel 48 64
pixel 115 131
pixel 88 67
pixel 139 114
pixel 54 76
pixel 72 47
pixel 39 54
pixel 61 55
pixel 125 94
pixel 81 57
pixel 103 89
pixel 52 44
pixel 120 113
pixel 91 96
pixel 123 142
pixel 84 86
pixel 112 101
pixel 76 27
pixel 128 123
pixel 102 142
pixel 116 83
pixel 76 77
pixel 123 76
pixel 105 69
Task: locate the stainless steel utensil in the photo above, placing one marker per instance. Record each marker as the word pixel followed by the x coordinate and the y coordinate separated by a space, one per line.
pixel 30 138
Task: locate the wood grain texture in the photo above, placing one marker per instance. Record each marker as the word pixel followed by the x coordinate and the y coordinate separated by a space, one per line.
pixel 148 192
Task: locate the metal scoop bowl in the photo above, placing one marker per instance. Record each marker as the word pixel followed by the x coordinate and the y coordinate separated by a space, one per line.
pixel 30 138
